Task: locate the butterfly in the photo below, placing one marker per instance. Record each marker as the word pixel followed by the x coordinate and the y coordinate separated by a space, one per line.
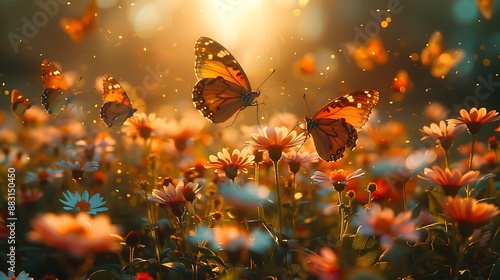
pixel 335 126
pixel 78 29
pixel 55 95
pixel 441 61
pixel 369 55
pixel 223 88
pixel 116 107
pixel 18 103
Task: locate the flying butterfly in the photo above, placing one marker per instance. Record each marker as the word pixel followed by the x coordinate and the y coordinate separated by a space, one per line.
pixel 441 61
pixel 335 126
pixel 116 107
pixel 56 95
pixel 223 88
pixel 78 29
pixel 18 103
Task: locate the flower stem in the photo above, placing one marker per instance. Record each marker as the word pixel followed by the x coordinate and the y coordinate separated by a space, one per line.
pixel 131 261
pixel 280 220
pixel 341 212
pixel 473 140
pixel 446 162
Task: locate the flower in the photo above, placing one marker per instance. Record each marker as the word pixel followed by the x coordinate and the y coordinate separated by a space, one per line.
pixel 468 213
pixel 231 164
pixel 43 176
pixel 338 178
pixel 145 126
pixel 188 127
pixel 21 276
pixel 275 141
pixel 384 223
pixel 82 203
pixel 296 160
pixel 451 180
pixel 173 197
pixel 442 133
pixel 76 235
pixel 325 264
pixel 76 169
pixel 30 196
pixel 475 119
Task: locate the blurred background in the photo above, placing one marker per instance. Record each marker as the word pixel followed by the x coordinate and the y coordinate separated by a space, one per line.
pixel 322 49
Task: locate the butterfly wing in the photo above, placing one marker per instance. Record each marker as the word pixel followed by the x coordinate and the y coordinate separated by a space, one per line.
pixel 223 88
pixel 55 95
pixel 18 103
pixel 433 49
pixel 116 108
pixel 78 29
pixel 334 127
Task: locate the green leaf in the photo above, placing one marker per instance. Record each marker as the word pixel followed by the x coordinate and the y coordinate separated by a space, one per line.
pixel 435 198
pixel 362 242
pixel 416 211
pixel 367 259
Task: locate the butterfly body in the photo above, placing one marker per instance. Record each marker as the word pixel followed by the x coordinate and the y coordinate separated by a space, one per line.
pixel 116 108
pixel 18 103
pixel 223 88
pixel 56 95
pixel 335 126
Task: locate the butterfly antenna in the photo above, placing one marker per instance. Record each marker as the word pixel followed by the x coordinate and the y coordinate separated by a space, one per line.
pixel 269 76
pixel 307 104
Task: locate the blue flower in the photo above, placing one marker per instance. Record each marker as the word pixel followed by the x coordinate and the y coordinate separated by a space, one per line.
pixel 82 203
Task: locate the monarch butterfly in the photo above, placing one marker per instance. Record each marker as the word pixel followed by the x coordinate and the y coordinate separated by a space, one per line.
pixel 55 95
pixel 223 88
pixel 441 61
pixel 116 107
pixel 78 29
pixel 18 103
pixel 335 126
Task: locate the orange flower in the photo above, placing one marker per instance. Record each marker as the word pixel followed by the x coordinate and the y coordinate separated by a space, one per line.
pixel 468 213
pixel 231 164
pixel 442 133
pixel 475 119
pixel 275 141
pixel 77 235
pixel 325 264
pixel 145 126
pixel 451 180
pixel 338 178
pixel 385 224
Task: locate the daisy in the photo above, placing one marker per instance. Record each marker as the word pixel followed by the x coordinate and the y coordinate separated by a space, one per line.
pixel 475 119
pixel 77 169
pixel 442 133
pixel 188 127
pixel 43 176
pixel 78 235
pixel 338 178
pixel 468 213
pixel 275 141
pixel 325 264
pixel 297 160
pixel 21 276
pixel 231 164
pixel 386 225
pixel 82 203
pixel 173 197
pixel 145 126
pixel 451 180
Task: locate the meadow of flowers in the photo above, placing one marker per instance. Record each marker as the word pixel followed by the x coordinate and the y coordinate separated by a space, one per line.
pixel 171 195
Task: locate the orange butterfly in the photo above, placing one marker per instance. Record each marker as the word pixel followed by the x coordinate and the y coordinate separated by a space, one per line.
pixel 367 56
pixel 116 107
pixel 18 103
pixel 78 29
pixel 55 95
pixel 335 126
pixel 223 88
pixel 441 61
